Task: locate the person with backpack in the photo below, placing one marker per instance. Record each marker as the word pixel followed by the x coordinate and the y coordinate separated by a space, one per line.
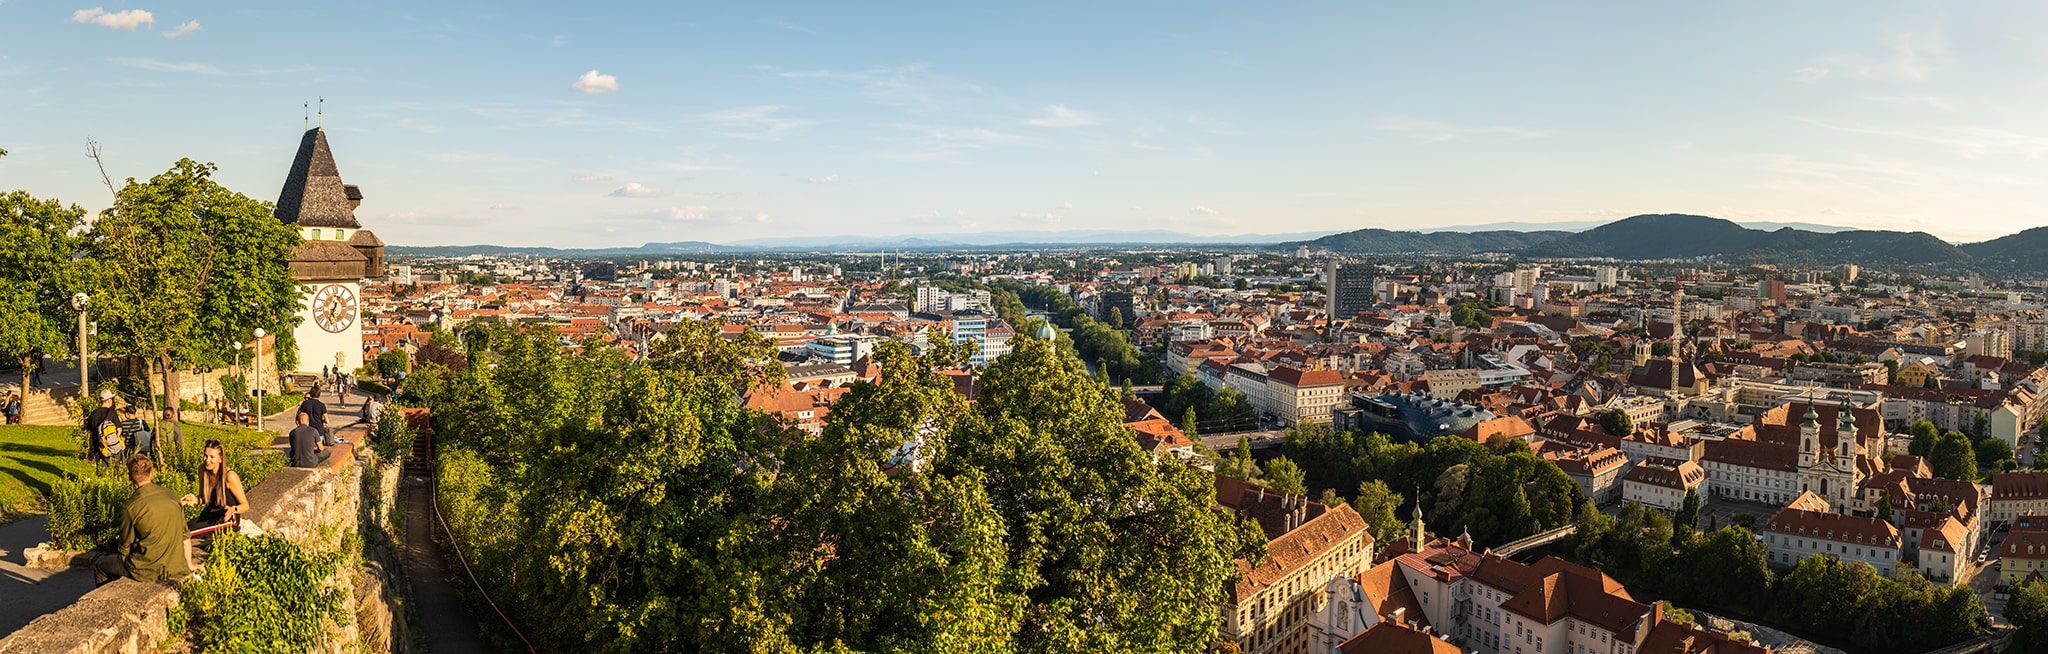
pixel 12 407
pixel 103 441
pixel 135 432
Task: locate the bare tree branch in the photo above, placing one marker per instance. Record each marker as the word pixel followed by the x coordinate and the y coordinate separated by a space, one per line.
pixel 92 149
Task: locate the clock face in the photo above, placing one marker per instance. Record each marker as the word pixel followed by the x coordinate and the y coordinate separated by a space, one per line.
pixel 334 307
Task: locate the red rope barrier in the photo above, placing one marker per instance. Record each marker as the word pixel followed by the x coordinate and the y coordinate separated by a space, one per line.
pixel 434 497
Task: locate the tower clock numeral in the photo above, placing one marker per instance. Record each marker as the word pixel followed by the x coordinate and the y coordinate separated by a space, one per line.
pixel 334 307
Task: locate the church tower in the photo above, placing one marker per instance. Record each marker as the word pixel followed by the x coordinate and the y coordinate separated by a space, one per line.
pixel 337 255
pixel 1845 437
pixel 1809 432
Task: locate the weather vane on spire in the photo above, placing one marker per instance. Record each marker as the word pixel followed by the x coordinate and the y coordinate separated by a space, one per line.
pixel 323 113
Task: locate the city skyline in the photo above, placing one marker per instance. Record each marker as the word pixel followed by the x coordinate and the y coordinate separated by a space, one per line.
pixel 531 125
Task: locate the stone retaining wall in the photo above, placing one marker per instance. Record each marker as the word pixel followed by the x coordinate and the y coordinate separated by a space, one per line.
pixel 317 509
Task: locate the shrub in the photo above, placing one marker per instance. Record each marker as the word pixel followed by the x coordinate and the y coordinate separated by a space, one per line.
pixel 85 514
pixel 392 438
pixel 275 403
pixel 261 595
pixel 373 387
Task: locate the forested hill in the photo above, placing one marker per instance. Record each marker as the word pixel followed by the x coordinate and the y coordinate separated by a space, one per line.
pixel 1667 236
pixel 2026 251
pixel 1384 241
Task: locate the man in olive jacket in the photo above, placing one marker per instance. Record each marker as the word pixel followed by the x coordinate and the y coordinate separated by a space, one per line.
pixel 154 544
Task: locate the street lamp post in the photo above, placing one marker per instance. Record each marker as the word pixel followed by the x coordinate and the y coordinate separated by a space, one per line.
pixel 238 375
pixel 80 301
pixel 258 365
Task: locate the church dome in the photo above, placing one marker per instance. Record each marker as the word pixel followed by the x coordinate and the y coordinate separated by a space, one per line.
pixel 1046 332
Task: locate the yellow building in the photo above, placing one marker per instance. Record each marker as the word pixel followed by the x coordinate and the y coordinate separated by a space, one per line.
pixel 1916 374
pixel 2025 552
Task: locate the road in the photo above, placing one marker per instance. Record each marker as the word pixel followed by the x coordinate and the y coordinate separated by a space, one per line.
pixel 1259 439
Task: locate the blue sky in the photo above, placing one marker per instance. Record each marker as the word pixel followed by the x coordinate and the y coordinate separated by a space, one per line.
pixel 474 122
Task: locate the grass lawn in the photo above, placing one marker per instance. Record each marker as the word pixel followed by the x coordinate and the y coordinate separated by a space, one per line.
pixel 33 456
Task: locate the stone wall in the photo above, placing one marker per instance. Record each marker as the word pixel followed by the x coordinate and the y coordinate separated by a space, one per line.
pixel 318 509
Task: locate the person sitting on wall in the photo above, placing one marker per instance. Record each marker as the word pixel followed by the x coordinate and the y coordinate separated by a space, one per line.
pixel 153 545
pixel 220 487
pixel 305 445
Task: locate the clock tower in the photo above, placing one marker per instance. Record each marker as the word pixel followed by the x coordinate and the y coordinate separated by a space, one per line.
pixel 337 255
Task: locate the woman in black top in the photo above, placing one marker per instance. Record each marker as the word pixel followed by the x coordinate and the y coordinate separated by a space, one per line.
pixel 219 487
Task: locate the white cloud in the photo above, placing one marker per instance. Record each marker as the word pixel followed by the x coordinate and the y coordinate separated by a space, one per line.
pixel 125 21
pixel 1047 217
pixel 741 218
pixel 1433 131
pixel 699 213
pixel 1913 58
pixel 501 206
pixel 1060 115
pixel 828 179
pixel 591 177
pixel 635 190
pixel 764 122
pixel 181 30
pixel 1066 206
pixel 690 213
pixel 594 83
pixel 1202 210
pixel 169 66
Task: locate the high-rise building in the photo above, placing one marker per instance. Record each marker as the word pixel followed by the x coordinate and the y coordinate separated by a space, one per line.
pixel 1223 264
pixel 1350 289
pixel 1604 277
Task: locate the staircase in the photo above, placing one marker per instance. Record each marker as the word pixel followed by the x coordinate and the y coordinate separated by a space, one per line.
pixel 45 406
pixel 421 463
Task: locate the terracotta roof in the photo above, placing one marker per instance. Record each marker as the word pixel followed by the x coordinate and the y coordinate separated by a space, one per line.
pixel 1554 588
pixel 2029 485
pixel 1753 454
pixel 1667 473
pixel 1386 591
pixel 1948 536
pixel 313 194
pixel 2025 543
pixel 1672 638
pixel 1833 527
pixel 1293 376
pixel 1318 529
pixel 1389 637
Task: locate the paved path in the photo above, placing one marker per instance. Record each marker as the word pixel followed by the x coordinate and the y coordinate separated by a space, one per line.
pixel 27 593
pixel 442 619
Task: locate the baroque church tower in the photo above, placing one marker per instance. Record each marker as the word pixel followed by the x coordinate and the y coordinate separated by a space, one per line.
pixel 337 255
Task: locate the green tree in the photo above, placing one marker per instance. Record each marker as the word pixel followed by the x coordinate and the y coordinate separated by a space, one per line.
pixel 391 362
pixel 2028 610
pixel 1617 423
pixel 1924 435
pixel 1188 423
pixel 1285 476
pixel 1884 508
pixel 1115 318
pixel 1688 518
pixel 1953 458
pixel 1993 450
pixel 1376 503
pixel 37 276
pixel 1240 465
pixel 186 267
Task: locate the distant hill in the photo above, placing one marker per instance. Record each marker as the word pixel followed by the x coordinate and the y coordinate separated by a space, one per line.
pixel 2026 251
pixel 1671 236
pixel 679 247
pixel 1583 225
pixel 1383 241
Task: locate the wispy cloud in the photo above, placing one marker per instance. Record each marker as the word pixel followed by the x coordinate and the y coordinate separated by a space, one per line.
pixel 1912 58
pixel 1201 210
pixel 1046 218
pixel 912 86
pixel 635 190
pixel 591 177
pixel 1434 131
pixel 760 123
pixel 125 21
pixel 828 179
pixel 594 82
pixel 1060 115
pixel 698 213
pixel 182 30
pixel 159 66
pixel 501 206
pixel 1969 142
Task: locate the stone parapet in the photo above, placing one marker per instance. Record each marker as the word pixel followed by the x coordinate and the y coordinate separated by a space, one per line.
pixel 318 509
pixel 124 617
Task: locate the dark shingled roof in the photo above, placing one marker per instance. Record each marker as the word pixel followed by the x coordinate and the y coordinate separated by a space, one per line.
pixel 313 194
pixel 326 251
